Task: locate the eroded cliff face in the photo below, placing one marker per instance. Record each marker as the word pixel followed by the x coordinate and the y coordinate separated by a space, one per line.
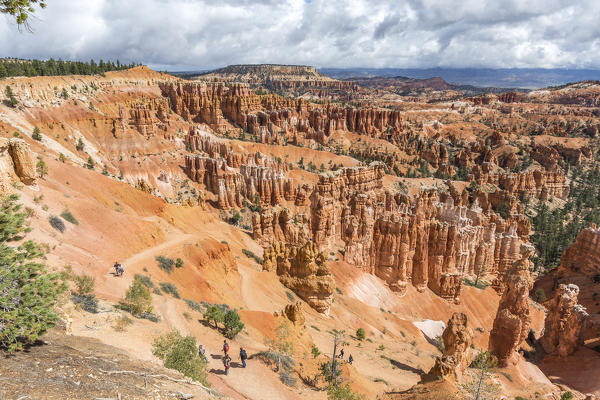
pixel 304 270
pixel 564 323
pixel 270 116
pixel 17 164
pixel 511 325
pixel 583 256
pixel 457 338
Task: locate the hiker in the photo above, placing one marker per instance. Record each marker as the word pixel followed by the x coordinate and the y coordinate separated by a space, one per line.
pixel 342 354
pixel 116 267
pixel 225 347
pixel 227 364
pixel 202 352
pixel 120 270
pixel 243 357
pixel 350 359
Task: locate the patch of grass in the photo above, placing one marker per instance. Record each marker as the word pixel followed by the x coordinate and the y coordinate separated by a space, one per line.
pixel 287 379
pixel 169 288
pixel 165 263
pixel 187 316
pixel 122 323
pixel 250 254
pixel 67 216
pixel 194 305
pixel 507 376
pixel 480 285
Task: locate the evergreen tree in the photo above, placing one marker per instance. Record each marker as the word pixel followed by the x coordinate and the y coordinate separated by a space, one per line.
pixel 21 10
pixel 28 294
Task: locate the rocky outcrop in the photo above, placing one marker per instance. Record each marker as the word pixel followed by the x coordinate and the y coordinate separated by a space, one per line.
pixel 583 256
pixel 457 339
pixel 511 325
pixel 280 225
pixel 17 163
pixel 293 312
pixel 564 323
pixel 304 270
pixel 537 183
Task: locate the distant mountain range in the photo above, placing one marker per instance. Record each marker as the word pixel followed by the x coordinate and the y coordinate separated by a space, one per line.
pixel 480 77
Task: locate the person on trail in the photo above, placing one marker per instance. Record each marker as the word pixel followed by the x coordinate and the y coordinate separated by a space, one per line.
pixel 227 364
pixel 342 354
pixel 243 357
pixel 225 347
pixel 350 359
pixel 120 270
pixel 202 352
pixel 116 267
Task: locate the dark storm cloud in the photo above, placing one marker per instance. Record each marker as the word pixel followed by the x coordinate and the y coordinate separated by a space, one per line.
pixel 410 33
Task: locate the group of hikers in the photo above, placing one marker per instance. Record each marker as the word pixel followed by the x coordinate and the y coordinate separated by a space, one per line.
pixel 118 269
pixel 244 356
pixel 226 356
pixel 350 359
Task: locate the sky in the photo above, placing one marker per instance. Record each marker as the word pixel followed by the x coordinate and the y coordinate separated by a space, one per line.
pixel 198 34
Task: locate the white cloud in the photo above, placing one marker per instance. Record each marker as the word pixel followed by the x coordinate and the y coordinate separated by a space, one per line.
pixel 334 33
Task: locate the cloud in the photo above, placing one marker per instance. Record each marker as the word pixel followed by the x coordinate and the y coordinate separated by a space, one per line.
pixel 192 34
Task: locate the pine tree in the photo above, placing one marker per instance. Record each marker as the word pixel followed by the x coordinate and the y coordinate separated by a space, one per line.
pixel 28 294
pixel 41 169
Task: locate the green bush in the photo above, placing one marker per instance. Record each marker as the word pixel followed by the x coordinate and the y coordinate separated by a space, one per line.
pixel 181 354
pixel 232 324
pixel 214 314
pixel 170 289
pixel 37 134
pixel 179 263
pixel 289 295
pixel 138 299
pixel 566 396
pixel 342 392
pixel 67 216
pixel 28 294
pixel 41 168
pixel 360 334
pixel 145 280
pixel 315 351
pixel 165 263
pixel 84 284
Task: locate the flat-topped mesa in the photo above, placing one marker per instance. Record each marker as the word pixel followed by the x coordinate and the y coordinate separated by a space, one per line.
pixel 278 224
pixel 537 183
pixel 583 256
pixel 304 270
pixel 511 325
pixel 17 163
pixel 564 324
pixel 457 355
